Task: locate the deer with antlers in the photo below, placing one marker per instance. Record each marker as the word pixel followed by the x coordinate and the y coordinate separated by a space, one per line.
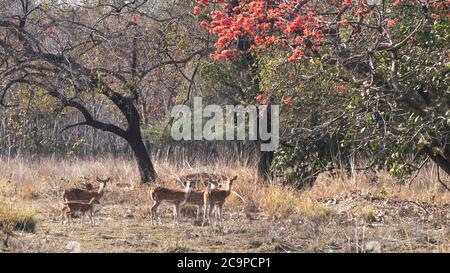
pixel 76 194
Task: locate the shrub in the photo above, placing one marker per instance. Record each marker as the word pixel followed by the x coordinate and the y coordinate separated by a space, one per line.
pixel 22 219
pixel 282 202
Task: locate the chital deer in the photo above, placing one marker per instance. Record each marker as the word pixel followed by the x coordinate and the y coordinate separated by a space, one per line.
pixel 196 198
pixel 216 198
pixel 200 181
pixel 71 207
pixel 75 194
pixel 176 197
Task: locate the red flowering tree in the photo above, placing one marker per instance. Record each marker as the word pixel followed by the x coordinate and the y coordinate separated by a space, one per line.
pixel 392 55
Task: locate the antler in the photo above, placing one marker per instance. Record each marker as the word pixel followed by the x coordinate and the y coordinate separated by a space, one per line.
pixel 177 178
pixel 238 196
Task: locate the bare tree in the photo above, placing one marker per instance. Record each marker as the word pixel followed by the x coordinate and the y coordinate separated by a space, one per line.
pixel 80 51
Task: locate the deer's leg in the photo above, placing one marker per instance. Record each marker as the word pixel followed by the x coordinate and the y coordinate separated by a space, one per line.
pixel 153 210
pixel 66 213
pixel 178 214
pixel 210 213
pixel 91 216
pixel 69 214
pixel 63 212
pixel 176 210
pixel 205 209
pixel 215 212
pixel 219 214
pixel 198 213
pixel 88 212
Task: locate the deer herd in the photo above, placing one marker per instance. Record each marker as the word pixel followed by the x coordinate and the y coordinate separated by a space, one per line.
pixel 206 191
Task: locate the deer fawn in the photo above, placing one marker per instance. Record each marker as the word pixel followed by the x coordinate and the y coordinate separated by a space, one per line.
pixel 175 197
pixel 216 198
pixel 71 207
pixel 75 194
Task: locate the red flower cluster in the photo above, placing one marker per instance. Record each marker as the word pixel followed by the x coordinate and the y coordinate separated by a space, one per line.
pixel 197 10
pixel 226 54
pixel 295 25
pixel 346 3
pixel 289 101
pixel 263 23
pixel 342 88
pixel 392 22
pixel 298 53
pixel 262 99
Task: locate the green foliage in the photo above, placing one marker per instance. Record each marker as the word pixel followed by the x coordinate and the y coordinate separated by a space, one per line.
pixel 383 192
pixel 158 131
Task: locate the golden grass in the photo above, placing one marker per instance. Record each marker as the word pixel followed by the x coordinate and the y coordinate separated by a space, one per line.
pixel 125 205
pixel 278 202
pixel 368 214
pixel 282 202
pixel 5 187
pixel 424 188
pixel 47 178
pixel 12 218
pixel 29 191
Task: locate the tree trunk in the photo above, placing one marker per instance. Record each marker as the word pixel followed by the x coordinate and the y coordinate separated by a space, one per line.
pixel 264 163
pixel 145 165
pixel 265 157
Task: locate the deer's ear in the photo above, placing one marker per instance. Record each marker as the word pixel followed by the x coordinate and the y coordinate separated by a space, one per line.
pixel 233 179
pixel 103 181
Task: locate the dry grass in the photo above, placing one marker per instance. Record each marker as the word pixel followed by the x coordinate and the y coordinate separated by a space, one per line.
pixel 336 214
pixel 282 202
pixel 425 188
pixel 16 218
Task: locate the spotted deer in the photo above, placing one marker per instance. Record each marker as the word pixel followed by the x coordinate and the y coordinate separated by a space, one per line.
pixel 195 198
pixel 76 194
pixel 176 197
pixel 70 207
pixel 200 181
pixel 215 198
